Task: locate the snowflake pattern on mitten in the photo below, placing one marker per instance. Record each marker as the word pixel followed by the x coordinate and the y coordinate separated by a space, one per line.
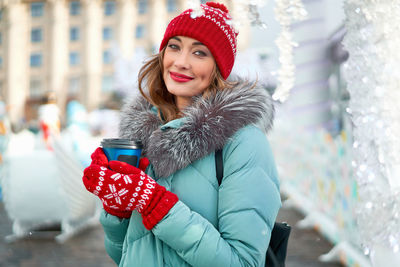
pixel 119 191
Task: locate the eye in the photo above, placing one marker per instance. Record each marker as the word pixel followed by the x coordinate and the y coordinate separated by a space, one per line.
pixel 200 53
pixel 173 46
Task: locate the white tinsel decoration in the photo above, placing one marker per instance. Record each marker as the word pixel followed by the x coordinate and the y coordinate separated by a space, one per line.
pixel 286 12
pixel 251 14
pixel 373 79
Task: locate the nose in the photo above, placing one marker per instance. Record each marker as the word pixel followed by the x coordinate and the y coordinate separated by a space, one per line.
pixel 182 60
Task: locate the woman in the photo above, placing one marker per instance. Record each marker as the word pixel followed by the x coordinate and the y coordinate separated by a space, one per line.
pixel 172 212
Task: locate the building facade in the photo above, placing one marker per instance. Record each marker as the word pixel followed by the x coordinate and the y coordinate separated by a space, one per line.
pixel 65 46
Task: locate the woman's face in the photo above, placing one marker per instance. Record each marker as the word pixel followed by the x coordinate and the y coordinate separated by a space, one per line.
pixel 188 67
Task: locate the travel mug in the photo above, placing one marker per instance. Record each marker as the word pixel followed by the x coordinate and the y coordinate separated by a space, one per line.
pixel 122 150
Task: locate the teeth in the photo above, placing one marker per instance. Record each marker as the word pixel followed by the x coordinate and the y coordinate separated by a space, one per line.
pixel 183 77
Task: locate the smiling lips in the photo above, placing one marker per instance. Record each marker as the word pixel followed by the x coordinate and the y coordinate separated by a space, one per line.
pixel 178 77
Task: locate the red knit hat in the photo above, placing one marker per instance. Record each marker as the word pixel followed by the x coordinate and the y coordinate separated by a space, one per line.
pixel 213 28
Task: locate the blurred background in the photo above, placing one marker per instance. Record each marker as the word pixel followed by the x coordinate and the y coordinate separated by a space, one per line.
pixel 67 66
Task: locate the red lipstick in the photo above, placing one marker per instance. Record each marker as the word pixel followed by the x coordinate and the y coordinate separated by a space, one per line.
pixel 178 77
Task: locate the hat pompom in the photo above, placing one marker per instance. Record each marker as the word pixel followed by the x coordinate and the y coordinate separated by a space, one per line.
pixel 218 5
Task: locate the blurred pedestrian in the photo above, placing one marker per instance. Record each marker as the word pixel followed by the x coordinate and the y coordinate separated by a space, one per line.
pixel 4 129
pixel 171 211
pixel 49 118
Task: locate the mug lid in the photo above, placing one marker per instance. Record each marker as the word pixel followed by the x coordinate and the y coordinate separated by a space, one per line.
pixel 121 142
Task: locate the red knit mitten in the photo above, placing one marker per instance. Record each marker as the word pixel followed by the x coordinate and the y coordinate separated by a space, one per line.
pixel 126 188
pixel 143 163
pixel 99 158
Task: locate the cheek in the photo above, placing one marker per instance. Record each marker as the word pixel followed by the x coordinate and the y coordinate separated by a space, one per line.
pixel 169 58
pixel 207 71
pixel 166 65
pixel 204 69
pixel 166 61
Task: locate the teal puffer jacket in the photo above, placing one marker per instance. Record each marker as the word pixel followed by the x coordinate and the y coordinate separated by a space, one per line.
pixel 211 225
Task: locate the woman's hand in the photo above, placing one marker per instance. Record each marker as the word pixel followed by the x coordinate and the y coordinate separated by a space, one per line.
pixel 99 158
pixel 123 188
pixel 118 190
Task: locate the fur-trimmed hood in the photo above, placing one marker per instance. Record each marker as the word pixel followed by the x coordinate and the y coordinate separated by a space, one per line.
pixel 207 126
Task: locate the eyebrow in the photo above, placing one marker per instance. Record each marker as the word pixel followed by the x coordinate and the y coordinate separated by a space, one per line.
pixel 195 43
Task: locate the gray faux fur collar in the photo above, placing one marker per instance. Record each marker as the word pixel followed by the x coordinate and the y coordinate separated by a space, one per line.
pixel 209 124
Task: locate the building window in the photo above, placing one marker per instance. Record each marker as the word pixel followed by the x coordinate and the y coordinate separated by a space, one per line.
pixel 142 6
pixel 107 33
pixel 74 8
pixel 74 58
pixel 109 8
pixel 107 83
pixel 1 38
pixel 107 57
pixel 1 62
pixel 36 60
pixel 1 14
pixel 36 35
pixel 140 31
pixel 35 88
pixel 37 9
pixel 74 34
pixel 171 6
pixel 74 85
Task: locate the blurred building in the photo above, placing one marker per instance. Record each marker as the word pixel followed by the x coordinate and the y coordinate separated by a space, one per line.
pixel 65 46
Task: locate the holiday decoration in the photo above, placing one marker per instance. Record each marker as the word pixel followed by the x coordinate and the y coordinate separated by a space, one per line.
pixel 286 12
pixel 373 78
pixel 320 184
pixel 42 188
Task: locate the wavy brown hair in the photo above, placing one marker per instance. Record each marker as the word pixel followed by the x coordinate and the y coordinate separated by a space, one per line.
pixel 151 78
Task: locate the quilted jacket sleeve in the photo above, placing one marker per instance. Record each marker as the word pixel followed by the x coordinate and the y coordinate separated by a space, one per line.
pixel 115 231
pixel 249 201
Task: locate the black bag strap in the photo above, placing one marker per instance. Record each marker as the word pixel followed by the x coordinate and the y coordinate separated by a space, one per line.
pixel 276 253
pixel 219 165
pixel 277 249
